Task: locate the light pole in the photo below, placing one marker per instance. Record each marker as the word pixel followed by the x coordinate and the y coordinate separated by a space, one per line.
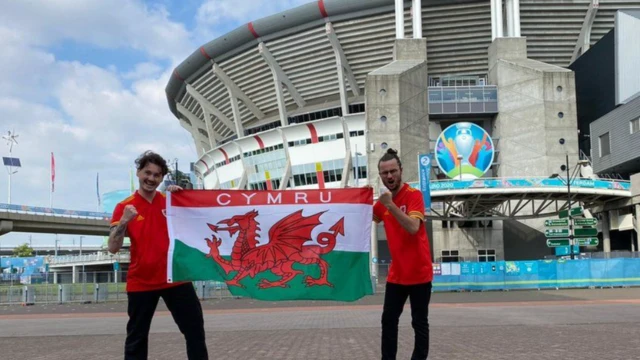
pixel 569 180
pixel 11 162
pixel 84 275
pixel 459 157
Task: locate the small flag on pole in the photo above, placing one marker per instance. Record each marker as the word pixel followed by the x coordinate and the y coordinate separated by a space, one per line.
pixel 53 172
pixel 53 179
pixel 98 187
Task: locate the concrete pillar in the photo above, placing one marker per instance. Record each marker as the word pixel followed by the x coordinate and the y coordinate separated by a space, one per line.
pixel 493 20
pixel 399 19
pixel 417 18
pixel 606 239
pixel 516 18
pixel 496 19
pixel 548 113
pixel 397 109
pixel 55 277
pixel 510 18
pixel 499 20
pixel 74 274
pixel 637 226
pixel 5 227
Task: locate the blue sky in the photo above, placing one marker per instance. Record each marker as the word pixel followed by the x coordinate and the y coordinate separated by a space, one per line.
pixel 85 80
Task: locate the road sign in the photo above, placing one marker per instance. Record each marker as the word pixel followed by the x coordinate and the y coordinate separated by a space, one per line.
pixel 588 241
pixel 557 242
pixel 556 222
pixel 574 212
pixel 116 266
pixel 585 232
pixel 424 164
pixel 554 233
pixel 585 222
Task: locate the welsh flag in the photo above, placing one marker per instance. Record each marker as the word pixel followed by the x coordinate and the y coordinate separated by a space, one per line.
pixel 273 245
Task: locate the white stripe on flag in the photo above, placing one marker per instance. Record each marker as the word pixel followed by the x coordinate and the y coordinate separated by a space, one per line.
pixel 189 225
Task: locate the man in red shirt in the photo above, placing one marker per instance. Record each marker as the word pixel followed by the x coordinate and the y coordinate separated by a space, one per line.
pixel 401 209
pixel 142 217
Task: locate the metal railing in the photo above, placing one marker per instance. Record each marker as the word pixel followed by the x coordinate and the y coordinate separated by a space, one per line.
pixel 93 287
pixel 89 258
pixel 37 210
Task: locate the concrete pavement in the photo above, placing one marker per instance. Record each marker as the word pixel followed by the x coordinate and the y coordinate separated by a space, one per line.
pixel 567 324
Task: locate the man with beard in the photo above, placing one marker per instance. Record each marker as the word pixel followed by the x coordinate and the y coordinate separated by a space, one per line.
pixel 142 217
pixel 401 209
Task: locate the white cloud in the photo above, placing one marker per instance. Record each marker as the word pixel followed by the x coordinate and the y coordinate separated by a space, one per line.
pixel 142 70
pixel 87 115
pixel 93 118
pixel 213 14
pixel 108 24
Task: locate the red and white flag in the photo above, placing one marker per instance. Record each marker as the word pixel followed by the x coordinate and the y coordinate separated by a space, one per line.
pixel 53 172
pixel 303 244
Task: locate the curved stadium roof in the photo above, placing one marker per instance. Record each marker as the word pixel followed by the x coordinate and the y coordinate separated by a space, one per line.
pixel 458 33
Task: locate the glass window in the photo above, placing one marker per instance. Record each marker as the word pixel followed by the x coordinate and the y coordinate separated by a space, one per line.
pixel 463 95
pixel 635 125
pixel 448 96
pixel 476 96
pixel 605 148
pixel 435 96
pixel 490 95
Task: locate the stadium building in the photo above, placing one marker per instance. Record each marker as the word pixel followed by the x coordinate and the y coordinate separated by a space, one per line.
pixel 313 96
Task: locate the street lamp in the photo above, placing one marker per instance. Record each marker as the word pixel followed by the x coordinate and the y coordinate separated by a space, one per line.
pixel 459 157
pixel 11 162
pixel 84 275
pixel 570 178
pixel 56 246
pixel 357 165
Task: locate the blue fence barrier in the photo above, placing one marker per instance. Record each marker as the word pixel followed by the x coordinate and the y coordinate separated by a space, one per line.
pixel 536 274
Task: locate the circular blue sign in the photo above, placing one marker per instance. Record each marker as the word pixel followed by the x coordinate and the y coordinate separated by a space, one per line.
pixel 464 150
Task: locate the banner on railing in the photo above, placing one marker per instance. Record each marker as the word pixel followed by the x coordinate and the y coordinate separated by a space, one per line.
pixel 54 211
pixel 536 274
pixel 524 183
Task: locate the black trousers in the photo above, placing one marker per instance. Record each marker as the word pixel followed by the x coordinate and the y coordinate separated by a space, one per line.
pixel 184 305
pixel 394 299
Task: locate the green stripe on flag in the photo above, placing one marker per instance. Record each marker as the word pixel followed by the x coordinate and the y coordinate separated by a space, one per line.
pixel 348 273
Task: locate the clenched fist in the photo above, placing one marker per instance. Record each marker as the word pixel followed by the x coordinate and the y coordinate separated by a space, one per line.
pixel 386 199
pixel 129 214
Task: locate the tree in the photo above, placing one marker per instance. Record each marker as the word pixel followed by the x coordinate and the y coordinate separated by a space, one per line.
pixel 182 179
pixel 23 250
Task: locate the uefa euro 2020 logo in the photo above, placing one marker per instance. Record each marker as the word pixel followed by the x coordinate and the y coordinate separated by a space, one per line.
pixel 469 141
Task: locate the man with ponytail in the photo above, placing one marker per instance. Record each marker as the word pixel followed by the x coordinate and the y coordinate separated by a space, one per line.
pixel 401 209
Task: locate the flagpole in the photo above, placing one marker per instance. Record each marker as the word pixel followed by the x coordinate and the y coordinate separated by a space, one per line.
pixel 51 170
pixel 98 191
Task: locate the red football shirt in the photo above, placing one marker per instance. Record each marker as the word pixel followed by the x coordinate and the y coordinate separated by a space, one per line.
pixel 410 254
pixel 149 242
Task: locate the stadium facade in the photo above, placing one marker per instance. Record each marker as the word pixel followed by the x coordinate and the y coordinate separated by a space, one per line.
pixel 313 96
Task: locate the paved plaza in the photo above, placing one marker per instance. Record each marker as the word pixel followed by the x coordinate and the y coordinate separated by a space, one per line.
pixel 560 324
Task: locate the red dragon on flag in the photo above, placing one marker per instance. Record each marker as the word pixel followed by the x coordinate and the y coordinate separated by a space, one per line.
pixel 284 249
